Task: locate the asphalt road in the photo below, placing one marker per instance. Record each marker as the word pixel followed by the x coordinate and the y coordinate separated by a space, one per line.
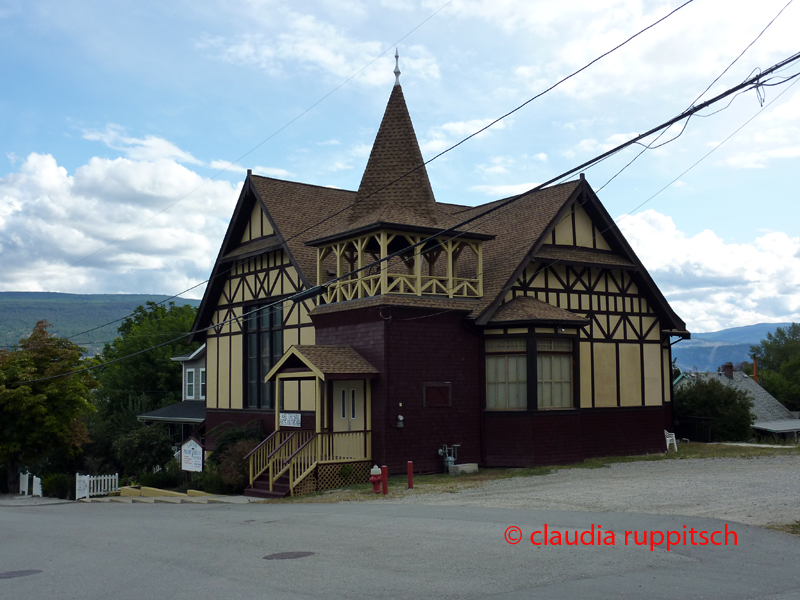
pixel 134 551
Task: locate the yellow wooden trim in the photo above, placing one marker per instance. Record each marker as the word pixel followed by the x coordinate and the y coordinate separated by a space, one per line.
pixel 384 243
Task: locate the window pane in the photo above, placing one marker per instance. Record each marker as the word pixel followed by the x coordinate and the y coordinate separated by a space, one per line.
pixel 544 345
pixel 517 345
pixel 264 314
pixel 277 343
pixel 545 368
pixel 352 404
pixel 344 405
pixel 491 395
pixel 495 345
pixel 252 345
pixel 502 401
pixel 522 368
pixel 512 368
pixel 491 369
pixel 252 394
pixel 562 345
pixel 556 368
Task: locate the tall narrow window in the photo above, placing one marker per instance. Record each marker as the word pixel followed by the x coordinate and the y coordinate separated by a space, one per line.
pixel 352 404
pixel 263 348
pixel 202 384
pixel 344 404
pixel 506 374
pixel 554 373
pixel 190 384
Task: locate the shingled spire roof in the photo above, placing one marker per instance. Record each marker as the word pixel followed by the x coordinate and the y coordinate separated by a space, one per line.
pixel 395 156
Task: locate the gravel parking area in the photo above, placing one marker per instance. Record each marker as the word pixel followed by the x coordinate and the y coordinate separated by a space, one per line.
pixel 755 491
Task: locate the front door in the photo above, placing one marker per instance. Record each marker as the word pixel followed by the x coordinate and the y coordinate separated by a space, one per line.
pixel 348 405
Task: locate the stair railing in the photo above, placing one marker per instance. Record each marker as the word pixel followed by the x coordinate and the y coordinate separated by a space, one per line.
pixel 302 463
pixel 259 456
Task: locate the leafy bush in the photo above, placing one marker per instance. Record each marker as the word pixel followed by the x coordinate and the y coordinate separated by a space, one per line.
pixel 233 468
pixel 729 407
pixel 143 449
pixel 228 434
pixel 59 485
pixel 167 478
pixel 209 481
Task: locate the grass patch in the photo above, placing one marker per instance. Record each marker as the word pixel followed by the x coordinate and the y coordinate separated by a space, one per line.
pixel 790 528
pixel 439 483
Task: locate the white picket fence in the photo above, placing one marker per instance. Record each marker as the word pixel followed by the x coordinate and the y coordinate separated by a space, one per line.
pixel 95 485
pixel 24 482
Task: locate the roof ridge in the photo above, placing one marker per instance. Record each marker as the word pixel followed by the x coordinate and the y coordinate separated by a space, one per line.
pixel 324 187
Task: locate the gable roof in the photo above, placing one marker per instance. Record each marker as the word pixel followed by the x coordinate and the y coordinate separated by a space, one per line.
pixel 326 362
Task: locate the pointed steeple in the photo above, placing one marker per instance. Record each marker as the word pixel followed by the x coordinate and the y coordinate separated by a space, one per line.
pixel 396 159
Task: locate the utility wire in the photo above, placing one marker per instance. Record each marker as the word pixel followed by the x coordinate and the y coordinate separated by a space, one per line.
pixel 253 149
pixel 320 222
pixel 750 83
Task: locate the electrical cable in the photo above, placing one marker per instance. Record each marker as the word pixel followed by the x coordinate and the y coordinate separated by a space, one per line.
pixel 316 290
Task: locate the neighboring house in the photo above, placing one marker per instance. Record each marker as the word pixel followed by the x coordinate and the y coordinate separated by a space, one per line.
pixel 530 336
pixel 184 417
pixel 770 415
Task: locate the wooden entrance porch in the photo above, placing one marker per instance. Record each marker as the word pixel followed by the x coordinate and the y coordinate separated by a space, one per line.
pixel 338 450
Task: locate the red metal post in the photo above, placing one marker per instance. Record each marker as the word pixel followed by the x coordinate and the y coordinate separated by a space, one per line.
pixel 410 474
pixel 384 480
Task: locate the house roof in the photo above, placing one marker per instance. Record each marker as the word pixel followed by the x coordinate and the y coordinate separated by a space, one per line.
pixel 525 308
pixel 395 191
pixel 465 305
pixel 326 362
pixel 395 171
pixel 190 411
pixel 766 409
pixel 201 351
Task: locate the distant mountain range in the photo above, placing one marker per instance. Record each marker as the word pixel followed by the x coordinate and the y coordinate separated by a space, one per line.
pixel 708 351
pixel 70 314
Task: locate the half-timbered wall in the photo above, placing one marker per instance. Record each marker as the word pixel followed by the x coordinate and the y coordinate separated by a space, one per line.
pixel 622 359
pixel 576 228
pixel 251 283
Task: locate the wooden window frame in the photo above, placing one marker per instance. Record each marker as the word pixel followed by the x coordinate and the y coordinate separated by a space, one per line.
pixel 202 382
pixel 437 384
pixel 572 365
pixel 189 384
pixel 267 393
pixel 507 353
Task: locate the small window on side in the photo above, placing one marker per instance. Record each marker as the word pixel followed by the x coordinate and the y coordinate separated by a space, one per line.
pixel 437 394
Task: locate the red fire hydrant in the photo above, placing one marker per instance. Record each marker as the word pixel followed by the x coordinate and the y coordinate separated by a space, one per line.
pixel 375 479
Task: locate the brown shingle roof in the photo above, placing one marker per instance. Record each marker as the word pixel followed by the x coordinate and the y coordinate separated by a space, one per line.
pixel 332 360
pixel 525 308
pixel 395 156
pixel 296 208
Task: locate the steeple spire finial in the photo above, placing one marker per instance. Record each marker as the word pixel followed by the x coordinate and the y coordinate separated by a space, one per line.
pixel 396 67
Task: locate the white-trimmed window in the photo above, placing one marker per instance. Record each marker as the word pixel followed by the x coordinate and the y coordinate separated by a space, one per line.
pixel 554 373
pixel 190 384
pixel 202 384
pixel 506 374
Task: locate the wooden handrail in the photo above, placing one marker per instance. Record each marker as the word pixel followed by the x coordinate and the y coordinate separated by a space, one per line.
pixel 264 441
pixel 282 444
pixel 306 443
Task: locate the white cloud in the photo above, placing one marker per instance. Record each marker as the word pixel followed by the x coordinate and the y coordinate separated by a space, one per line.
pixel 109 218
pixel 307 42
pixel 713 284
pixel 499 191
pixel 148 148
pixel 443 136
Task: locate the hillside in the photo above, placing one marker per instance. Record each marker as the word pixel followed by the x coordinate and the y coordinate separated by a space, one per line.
pixel 69 314
pixel 708 351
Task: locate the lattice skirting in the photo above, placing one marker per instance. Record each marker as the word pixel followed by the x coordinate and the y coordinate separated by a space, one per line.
pixel 308 485
pixel 336 475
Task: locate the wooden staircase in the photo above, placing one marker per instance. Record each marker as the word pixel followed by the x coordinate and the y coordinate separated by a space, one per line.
pixel 260 487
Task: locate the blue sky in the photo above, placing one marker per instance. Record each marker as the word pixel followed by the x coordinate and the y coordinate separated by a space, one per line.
pixel 114 114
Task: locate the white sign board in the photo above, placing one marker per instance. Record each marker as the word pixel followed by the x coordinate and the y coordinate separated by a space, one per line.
pixel 191 456
pixel 290 419
pixel 81 486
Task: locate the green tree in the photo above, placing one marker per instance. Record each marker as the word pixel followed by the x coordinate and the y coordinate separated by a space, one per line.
pixel 778 359
pixel 142 449
pixel 141 383
pixel 729 407
pixel 152 374
pixel 41 417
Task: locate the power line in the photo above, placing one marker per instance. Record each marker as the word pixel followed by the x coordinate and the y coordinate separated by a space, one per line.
pixel 253 149
pixel 320 222
pixel 750 83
